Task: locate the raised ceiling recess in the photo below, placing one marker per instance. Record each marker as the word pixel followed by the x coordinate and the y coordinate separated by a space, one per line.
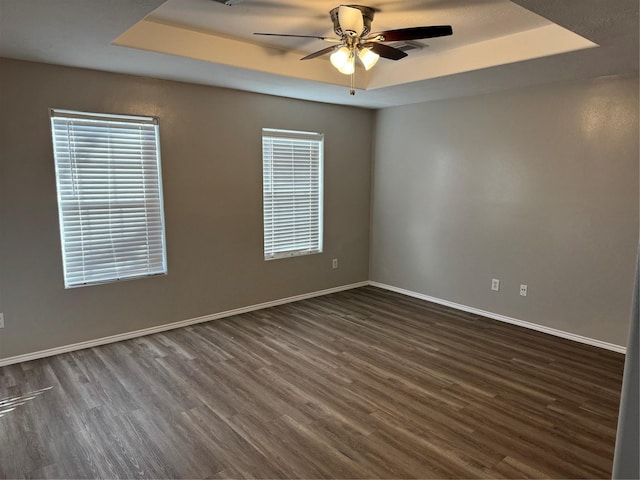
pixel 488 33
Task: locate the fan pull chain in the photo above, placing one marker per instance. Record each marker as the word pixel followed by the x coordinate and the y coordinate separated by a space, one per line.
pixel 352 91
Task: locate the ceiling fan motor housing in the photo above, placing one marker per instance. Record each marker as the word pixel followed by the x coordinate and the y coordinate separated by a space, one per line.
pixel 367 17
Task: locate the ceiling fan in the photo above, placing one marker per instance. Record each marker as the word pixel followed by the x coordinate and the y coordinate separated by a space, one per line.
pixel 352 25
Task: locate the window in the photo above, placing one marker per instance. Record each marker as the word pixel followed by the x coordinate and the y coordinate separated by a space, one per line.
pixel 292 192
pixel 109 196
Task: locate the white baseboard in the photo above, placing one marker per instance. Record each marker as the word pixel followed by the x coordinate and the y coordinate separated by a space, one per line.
pixel 503 318
pixel 170 326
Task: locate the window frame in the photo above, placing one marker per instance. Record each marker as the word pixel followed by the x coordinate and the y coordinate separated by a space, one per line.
pixel 103 119
pixel 294 135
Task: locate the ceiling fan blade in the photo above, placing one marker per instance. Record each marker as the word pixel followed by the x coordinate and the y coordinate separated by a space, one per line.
pixel 385 51
pixel 228 3
pixel 319 53
pixel 351 21
pixel 413 33
pixel 326 39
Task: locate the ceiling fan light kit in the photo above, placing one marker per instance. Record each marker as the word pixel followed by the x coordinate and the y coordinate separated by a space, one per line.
pixel 352 24
pixel 344 60
pixel 368 57
pixel 352 20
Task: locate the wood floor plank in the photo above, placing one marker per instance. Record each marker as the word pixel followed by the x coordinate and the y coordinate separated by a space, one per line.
pixel 364 383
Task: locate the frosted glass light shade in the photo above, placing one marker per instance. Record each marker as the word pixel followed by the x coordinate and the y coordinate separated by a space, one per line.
pixel 344 60
pixel 368 58
pixel 351 21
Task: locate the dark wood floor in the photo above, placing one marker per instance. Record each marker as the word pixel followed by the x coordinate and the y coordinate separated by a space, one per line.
pixel 359 384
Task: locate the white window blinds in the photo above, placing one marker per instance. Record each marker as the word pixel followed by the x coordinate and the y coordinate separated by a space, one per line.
pixel 292 192
pixel 109 196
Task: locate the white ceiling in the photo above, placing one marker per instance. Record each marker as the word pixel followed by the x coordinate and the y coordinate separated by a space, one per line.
pixel 497 44
pixel 475 20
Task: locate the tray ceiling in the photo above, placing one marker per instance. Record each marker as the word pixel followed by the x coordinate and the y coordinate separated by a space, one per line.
pixel 496 44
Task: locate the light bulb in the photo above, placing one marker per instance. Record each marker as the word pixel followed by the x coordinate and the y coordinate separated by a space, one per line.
pixel 368 57
pixel 350 67
pixel 344 60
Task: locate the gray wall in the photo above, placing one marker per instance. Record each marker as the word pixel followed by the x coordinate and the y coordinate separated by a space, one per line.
pixel 536 186
pixel 212 171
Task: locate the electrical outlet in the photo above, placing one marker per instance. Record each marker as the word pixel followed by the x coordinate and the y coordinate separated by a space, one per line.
pixel 523 290
pixel 495 284
pixel 1 320
pixel 334 263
